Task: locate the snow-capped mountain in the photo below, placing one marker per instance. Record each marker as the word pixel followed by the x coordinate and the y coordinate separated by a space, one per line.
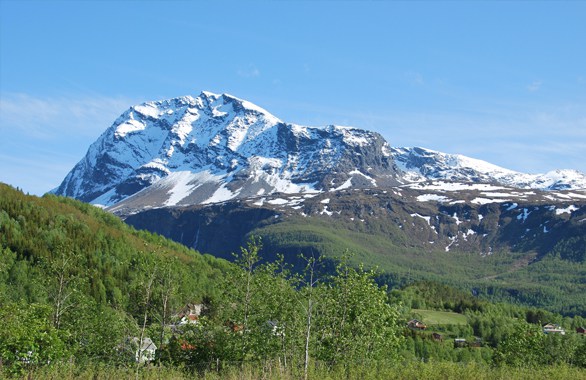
pixel 420 164
pixel 213 148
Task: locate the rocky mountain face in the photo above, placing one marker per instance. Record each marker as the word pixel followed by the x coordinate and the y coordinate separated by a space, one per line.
pixel 214 148
pixel 425 217
pixel 216 166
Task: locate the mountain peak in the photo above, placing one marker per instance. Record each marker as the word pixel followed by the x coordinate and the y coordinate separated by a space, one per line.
pixel 218 147
pixel 213 148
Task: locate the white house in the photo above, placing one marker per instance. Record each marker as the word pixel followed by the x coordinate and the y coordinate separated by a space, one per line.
pixel 552 328
pixel 145 352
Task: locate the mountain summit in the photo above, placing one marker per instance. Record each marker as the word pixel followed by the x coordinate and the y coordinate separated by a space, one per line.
pixel 214 148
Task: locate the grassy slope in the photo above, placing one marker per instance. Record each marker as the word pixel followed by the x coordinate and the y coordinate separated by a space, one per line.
pixel 435 317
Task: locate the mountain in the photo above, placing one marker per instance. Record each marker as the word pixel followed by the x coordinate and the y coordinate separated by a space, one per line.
pixel 420 164
pixel 211 171
pixel 506 244
pixel 215 148
pixel 424 217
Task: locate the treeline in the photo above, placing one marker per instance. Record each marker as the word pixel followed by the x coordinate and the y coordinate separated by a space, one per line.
pixel 266 313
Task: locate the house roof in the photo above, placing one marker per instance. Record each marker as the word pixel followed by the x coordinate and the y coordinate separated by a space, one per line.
pixel 147 344
pixel 551 326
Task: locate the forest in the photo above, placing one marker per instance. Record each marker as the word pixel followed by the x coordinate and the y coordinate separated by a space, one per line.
pixel 81 292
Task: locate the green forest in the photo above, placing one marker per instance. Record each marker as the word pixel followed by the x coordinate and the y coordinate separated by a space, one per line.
pixel 81 292
pixel 553 281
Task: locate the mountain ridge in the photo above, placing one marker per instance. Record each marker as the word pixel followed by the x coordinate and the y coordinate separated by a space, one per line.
pixel 421 164
pixel 215 148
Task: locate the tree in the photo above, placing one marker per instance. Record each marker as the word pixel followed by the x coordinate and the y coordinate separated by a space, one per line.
pixel 523 347
pixel 62 269
pixel 310 284
pixel 27 337
pixel 355 319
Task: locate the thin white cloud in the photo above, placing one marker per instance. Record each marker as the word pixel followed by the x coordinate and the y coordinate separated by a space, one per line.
pixel 534 86
pixel 46 118
pixel 43 138
pixel 249 72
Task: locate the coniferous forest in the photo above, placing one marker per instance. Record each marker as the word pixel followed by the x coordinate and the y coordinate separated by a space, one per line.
pixel 83 295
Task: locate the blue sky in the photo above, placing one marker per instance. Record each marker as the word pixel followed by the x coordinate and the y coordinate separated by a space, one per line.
pixel 500 81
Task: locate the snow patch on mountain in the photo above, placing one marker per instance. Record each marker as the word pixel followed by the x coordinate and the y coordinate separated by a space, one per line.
pixel 214 148
pixel 420 164
pixel 566 210
pixel 181 184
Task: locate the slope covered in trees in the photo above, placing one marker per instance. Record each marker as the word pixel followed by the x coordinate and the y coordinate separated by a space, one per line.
pixel 75 280
pixel 77 285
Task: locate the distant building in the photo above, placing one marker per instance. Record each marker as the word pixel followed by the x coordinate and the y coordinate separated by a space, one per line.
pixel 414 324
pixel 581 330
pixel 190 313
pixel 460 343
pixel 145 350
pixel 552 328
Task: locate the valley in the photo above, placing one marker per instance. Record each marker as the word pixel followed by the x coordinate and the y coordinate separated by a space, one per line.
pixel 212 171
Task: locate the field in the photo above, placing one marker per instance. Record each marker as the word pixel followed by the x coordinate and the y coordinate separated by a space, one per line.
pixel 434 317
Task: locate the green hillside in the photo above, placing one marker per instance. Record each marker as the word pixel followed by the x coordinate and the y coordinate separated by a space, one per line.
pixel 75 280
pixel 77 285
pixel 552 281
pixel 42 238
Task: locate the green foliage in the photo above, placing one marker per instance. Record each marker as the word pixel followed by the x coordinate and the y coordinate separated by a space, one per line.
pixel 79 273
pixel 552 280
pixel 572 249
pixel 525 346
pixel 76 284
pixel 28 338
pixel 262 313
pixel 355 319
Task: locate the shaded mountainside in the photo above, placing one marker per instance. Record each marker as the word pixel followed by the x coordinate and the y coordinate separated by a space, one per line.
pixel 413 218
pixel 410 232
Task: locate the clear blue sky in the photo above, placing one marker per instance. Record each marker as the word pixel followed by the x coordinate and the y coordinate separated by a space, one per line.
pixel 500 81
